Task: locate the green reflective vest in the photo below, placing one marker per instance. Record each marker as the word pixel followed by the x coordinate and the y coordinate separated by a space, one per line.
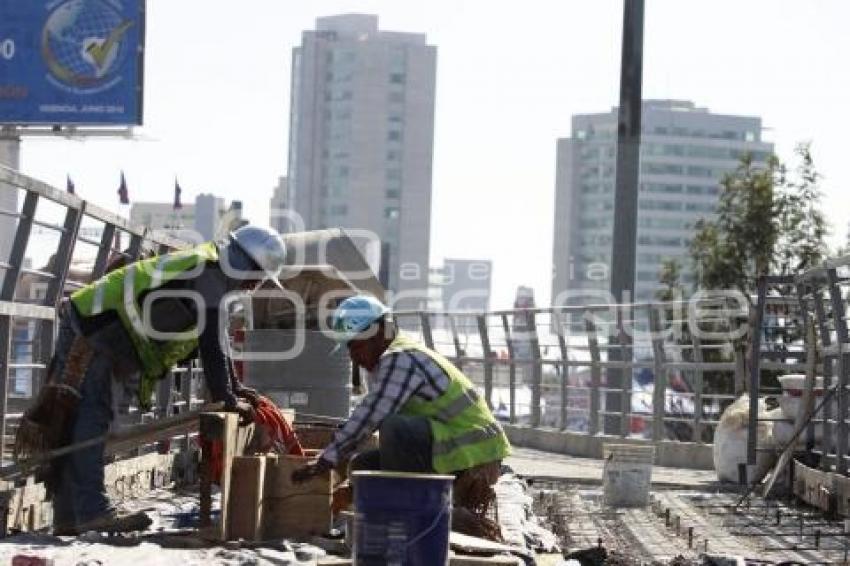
pixel 465 432
pixel 120 290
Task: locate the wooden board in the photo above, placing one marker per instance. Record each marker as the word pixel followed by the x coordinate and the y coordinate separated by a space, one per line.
pixel 815 487
pixel 295 510
pixel 246 494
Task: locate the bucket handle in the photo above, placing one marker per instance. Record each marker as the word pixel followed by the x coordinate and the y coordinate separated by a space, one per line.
pixel 430 527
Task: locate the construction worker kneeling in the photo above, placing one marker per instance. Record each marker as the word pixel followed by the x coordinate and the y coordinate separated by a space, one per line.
pixel 429 416
pixel 135 324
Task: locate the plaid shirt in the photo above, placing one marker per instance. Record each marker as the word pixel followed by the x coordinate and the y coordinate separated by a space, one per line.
pixel 398 376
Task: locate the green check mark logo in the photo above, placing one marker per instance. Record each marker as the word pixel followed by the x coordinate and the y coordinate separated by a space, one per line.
pixel 100 51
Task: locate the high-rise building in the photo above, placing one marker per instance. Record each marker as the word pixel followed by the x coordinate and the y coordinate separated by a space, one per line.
pixel 361 139
pixel 204 220
pixel 685 151
pixel 278 217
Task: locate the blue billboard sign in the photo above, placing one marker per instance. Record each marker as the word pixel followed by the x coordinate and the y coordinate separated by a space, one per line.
pixel 71 61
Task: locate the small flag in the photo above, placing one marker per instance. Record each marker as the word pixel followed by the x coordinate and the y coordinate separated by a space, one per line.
pixel 69 186
pixel 123 195
pixel 177 191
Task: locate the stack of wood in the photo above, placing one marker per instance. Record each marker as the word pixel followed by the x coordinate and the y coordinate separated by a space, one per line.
pixel 259 499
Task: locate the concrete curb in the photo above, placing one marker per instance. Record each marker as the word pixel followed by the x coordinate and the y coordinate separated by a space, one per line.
pixel 668 453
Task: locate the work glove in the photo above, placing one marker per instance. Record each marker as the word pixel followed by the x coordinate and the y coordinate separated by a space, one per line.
pixel 311 471
pixel 245 410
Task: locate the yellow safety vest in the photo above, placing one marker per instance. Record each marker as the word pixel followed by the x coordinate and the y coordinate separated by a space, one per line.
pixel 466 434
pixel 120 290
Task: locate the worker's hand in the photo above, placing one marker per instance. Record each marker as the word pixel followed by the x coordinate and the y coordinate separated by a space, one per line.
pixel 245 410
pixel 310 471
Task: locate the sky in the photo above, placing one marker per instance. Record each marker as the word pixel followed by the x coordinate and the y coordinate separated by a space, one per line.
pixel 509 77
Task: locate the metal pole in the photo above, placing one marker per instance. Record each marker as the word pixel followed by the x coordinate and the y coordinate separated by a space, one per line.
pixel 755 368
pixel 509 343
pixel 626 188
pixel 842 368
pixel 488 358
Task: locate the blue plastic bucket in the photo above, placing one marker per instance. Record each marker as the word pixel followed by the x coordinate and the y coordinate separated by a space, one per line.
pixel 401 519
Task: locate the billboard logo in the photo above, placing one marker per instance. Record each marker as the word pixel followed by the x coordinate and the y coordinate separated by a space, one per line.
pixel 84 44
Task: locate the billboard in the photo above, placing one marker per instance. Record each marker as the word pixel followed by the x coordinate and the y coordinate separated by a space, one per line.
pixel 71 61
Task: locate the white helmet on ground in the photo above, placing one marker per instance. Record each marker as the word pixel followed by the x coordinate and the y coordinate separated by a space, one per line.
pixel 263 246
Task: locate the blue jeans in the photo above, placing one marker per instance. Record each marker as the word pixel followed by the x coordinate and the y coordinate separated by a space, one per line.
pixel 80 495
pixel 405 446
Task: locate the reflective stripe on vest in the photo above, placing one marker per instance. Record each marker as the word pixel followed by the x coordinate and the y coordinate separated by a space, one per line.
pixel 474 436
pixel 97 303
pixel 465 433
pixel 459 405
pixel 130 307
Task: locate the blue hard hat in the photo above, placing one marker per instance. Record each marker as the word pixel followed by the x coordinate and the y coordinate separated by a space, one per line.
pixel 355 314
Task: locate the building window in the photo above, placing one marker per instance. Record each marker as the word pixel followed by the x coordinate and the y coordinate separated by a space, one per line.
pixel 397 78
pixel 394 135
pixel 393 193
pixel 391 213
pixel 661 169
pixel 339 210
pixel 393 174
pixel 396 97
pixel 393 155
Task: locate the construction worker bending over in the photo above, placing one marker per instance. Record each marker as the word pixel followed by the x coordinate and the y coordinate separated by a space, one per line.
pixel 428 413
pixel 135 324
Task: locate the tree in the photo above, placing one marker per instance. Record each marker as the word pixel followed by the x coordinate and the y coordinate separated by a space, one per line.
pixel 767 222
pixel 670 277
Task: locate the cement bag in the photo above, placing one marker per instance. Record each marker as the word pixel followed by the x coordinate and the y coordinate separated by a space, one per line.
pixel 730 440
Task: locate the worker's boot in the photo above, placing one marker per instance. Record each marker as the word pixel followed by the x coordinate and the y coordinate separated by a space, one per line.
pixel 114 522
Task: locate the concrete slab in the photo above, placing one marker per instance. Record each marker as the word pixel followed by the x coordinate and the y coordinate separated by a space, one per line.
pixel 531 462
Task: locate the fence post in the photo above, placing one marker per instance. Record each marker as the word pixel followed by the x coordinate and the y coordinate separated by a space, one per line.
pixel 512 367
pixel 595 376
pixel 536 369
pixel 828 372
pixel 839 319
pixel 488 358
pixel 755 356
pixel 56 287
pixel 103 252
pixel 699 385
pixel 659 388
pixel 427 336
pixel 7 293
pixel 560 330
pixel 456 341
pixel 627 372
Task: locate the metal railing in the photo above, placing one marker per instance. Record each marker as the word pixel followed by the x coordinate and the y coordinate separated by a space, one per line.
pixel 52 253
pixel 819 298
pixel 683 363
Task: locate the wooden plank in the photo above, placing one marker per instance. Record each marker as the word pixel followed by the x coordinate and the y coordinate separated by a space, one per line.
pixel 247 488
pixel 815 487
pixel 229 438
pixel 295 510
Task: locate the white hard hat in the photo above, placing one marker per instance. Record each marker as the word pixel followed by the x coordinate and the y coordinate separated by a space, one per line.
pixel 264 246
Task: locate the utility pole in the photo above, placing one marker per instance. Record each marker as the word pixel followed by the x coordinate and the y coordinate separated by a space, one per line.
pixel 625 204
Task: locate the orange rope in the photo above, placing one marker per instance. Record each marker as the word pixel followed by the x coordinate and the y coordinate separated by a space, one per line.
pixel 283 437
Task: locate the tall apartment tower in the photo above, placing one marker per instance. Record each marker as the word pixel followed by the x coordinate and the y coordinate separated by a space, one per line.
pixel 685 151
pixel 278 207
pixel 362 137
